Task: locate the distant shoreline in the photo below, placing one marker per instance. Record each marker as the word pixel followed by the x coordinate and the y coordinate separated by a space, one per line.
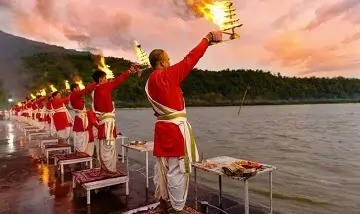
pixel 191 103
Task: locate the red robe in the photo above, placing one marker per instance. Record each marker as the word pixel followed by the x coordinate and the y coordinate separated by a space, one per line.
pixel 34 109
pixel 92 123
pixel 77 102
pixel 60 118
pixel 103 101
pixel 47 115
pixel 164 88
pixel 40 106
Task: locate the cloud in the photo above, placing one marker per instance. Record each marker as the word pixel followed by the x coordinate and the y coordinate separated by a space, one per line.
pixel 332 11
pixel 297 37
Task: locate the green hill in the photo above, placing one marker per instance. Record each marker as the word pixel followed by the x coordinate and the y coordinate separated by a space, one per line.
pixel 202 87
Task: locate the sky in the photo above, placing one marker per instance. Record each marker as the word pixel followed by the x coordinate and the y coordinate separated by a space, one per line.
pixel 293 37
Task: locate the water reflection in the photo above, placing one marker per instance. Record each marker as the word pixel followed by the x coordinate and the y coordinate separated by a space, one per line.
pixel 10 127
pixel 11 147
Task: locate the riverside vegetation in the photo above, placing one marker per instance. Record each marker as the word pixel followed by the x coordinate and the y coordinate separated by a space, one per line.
pixel 201 88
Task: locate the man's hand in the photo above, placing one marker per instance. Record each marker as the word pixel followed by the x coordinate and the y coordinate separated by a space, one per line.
pixel 134 69
pixel 214 36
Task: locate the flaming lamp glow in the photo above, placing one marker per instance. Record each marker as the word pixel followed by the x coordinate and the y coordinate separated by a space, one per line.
pixel 42 92
pixel 67 85
pixel 32 96
pixel 103 67
pixel 223 15
pixel 142 56
pixel 52 88
pixel 80 83
pixel 19 104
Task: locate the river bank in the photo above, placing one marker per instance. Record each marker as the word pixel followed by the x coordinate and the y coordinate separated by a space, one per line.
pixel 202 103
pixel 30 186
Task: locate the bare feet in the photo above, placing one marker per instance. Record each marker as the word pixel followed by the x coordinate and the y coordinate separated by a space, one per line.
pixel 162 207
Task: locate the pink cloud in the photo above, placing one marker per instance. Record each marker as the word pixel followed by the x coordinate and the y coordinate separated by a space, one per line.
pixel 298 37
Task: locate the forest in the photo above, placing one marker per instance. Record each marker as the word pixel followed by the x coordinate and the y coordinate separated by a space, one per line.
pixel 201 88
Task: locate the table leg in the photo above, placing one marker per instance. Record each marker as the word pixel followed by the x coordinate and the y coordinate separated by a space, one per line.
pixel 127 188
pixel 62 169
pixel 147 169
pixel 87 196
pixel 73 182
pixel 271 193
pixel 220 191
pixel 127 163
pixel 91 164
pixel 196 188
pixel 47 157
pixel 246 196
pixel 122 151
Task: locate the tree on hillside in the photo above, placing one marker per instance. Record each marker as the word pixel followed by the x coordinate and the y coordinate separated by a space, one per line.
pixel 202 87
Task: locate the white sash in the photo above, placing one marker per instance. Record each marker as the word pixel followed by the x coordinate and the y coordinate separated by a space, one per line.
pixel 82 115
pixel 108 119
pixel 178 118
pixel 62 109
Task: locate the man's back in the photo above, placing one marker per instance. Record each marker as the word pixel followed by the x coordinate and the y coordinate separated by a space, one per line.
pixel 168 140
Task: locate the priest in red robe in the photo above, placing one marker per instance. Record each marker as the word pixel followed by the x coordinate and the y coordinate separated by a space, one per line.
pixel 174 144
pixel 61 116
pixel 48 117
pixel 104 108
pixel 81 122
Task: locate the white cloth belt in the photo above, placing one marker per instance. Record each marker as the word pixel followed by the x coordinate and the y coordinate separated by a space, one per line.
pixel 82 114
pixel 178 118
pixel 63 109
pixel 108 119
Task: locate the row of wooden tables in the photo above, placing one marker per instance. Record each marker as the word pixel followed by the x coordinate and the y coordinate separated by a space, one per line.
pixel 80 177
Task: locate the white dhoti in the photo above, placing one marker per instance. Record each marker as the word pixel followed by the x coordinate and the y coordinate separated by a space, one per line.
pixel 64 133
pixel 172 173
pixel 81 140
pixel 108 155
pixel 90 148
pixel 52 127
pixel 171 182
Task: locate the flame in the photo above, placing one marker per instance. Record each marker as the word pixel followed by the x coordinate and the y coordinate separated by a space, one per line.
pixel 43 92
pixel 103 67
pixel 220 13
pixel 32 96
pixel 81 85
pixel 141 54
pixel 67 85
pixel 53 89
pixel 19 104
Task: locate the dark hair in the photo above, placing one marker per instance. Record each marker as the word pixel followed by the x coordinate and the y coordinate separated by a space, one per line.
pixel 54 94
pixel 155 56
pixel 97 75
pixel 73 86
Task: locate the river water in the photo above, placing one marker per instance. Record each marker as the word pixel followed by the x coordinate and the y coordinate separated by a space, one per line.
pixel 315 148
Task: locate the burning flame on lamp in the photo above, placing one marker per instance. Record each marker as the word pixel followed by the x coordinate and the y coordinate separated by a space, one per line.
pixel 220 13
pixel 141 54
pixel 32 96
pixel 80 83
pixel 103 67
pixel 52 88
pixel 43 92
pixel 67 85
pixel 19 104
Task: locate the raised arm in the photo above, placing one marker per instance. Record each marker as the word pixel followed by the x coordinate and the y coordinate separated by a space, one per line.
pixel 65 100
pixel 111 85
pixel 178 72
pixel 88 88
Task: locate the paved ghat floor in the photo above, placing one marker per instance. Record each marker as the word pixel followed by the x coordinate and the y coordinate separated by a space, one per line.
pixel 28 186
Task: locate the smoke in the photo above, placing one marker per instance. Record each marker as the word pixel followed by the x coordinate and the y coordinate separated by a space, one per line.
pixel 81 22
